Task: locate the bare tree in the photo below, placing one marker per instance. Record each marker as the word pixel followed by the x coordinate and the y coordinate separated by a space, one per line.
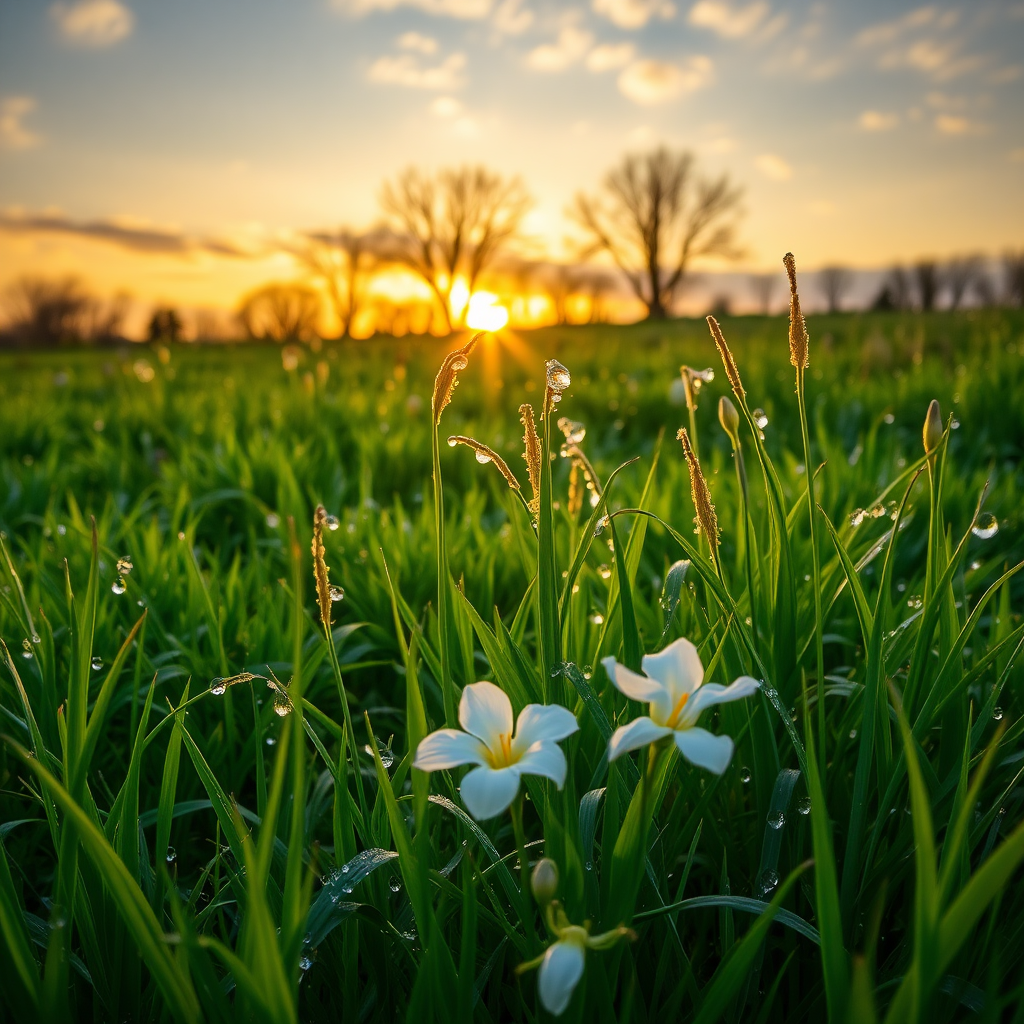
pixel 763 287
pixel 562 281
pixel 835 284
pixel 1013 277
pixel 453 224
pixel 165 324
pixel 281 312
pixel 926 274
pixel 961 275
pixel 895 292
pixel 655 217
pixel 342 260
pixel 48 310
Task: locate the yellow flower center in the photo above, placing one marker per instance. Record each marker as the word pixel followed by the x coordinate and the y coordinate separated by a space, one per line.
pixel 673 719
pixel 502 757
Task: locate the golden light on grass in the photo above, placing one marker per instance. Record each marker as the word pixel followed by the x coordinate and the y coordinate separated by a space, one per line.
pixel 320 567
pixel 448 377
pixel 531 453
pixel 485 455
pixel 798 354
pixel 707 520
pixel 727 360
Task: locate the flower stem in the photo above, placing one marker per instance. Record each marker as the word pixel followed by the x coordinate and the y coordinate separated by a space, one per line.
pixel 526 911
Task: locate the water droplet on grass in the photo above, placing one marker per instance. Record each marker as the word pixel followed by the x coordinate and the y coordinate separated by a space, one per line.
pixel 558 378
pixel 27 648
pixel 337 594
pixel 997 714
pixel 119 586
pixel 97 664
pixel 853 734
pixel 483 458
pixel 597 619
pixel 744 775
pixel 776 820
pixel 857 516
pixel 804 806
pixel 124 565
pixel 987 526
pixel 760 418
pixel 270 741
pixel 273 520
pixel 604 571
pixel 332 523
pixel 171 855
pixel 768 881
pixel 394 884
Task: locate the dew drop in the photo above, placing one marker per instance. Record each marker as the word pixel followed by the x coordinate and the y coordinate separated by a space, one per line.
pixel 270 741
pixel 768 881
pixel 97 664
pixel 776 820
pixel 273 520
pixel 857 516
pixel 305 963
pixel 172 855
pixel 889 418
pixel 394 884
pixel 760 418
pixel 27 648
pixel 483 458
pixel 337 593
pixel 332 523
pixel 853 734
pixel 218 687
pixel 124 565
pixel 558 378
pixel 36 638
pixel 744 775
pixel 452 441
pixel 602 525
pixel 282 705
pixel 387 757
pixel 604 571
pixel 987 526
pixel 119 586
pixel 804 806
pixel 589 866
pixel 997 714
pixel 597 619
pixel 914 601
pixel 347 890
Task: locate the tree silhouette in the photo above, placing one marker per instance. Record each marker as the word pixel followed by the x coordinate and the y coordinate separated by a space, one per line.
pixel 926 274
pixel 281 312
pixel 835 284
pixel 763 286
pixel 165 325
pixel 453 224
pixel 654 217
pixel 962 274
pixel 48 310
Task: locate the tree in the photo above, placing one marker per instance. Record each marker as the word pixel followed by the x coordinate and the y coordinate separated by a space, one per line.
pixel 835 284
pixel 962 274
pixel 656 216
pixel 1013 277
pixel 895 291
pixel 165 324
pixel 281 312
pixel 763 286
pixel 926 273
pixel 453 225
pixel 342 260
pixel 48 310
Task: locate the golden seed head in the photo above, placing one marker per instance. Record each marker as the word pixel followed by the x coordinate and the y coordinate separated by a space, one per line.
pixel 320 567
pixel 485 455
pixel 933 431
pixel 727 360
pixel 448 376
pixel 707 520
pixel 798 347
pixel 531 453
pixel 730 419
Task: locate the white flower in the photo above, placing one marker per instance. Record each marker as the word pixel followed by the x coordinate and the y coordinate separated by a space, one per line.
pixel 485 713
pixel 672 687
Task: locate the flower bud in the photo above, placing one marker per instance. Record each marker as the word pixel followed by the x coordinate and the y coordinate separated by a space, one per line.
pixel 730 419
pixel 544 881
pixel 932 427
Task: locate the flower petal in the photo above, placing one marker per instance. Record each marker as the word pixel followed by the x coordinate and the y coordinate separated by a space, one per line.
pixel 448 748
pixel 560 972
pixel 713 693
pixel 638 733
pixel 543 758
pixel 703 749
pixel 635 687
pixel 677 667
pixel 542 722
pixel 486 712
pixel 488 791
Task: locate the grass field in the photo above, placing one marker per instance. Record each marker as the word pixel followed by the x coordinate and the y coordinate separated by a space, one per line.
pixel 174 847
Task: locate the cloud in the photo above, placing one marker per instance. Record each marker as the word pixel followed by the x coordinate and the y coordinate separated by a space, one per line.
pixel 954 124
pixel 137 238
pixel 419 44
pixel 406 70
pixel 609 56
pixel 511 18
pixel 654 81
pixel 13 133
pixel 773 167
pixel 877 121
pixel 633 13
pixel 446 107
pixel 470 10
pixel 95 23
pixel 571 45
pixel 889 31
pixel 727 21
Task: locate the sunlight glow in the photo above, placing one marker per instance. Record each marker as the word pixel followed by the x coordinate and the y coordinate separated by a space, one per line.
pixel 484 312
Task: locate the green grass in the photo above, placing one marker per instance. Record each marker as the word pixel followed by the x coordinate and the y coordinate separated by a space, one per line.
pixel 168 853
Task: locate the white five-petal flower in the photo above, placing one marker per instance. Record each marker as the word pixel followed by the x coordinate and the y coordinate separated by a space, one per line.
pixel 673 685
pixel 485 713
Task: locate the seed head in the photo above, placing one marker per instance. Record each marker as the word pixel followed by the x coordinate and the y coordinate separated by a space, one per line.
pixel 730 420
pixel 932 433
pixel 448 376
pixel 707 521
pixel 320 567
pixel 797 327
pixel 727 360
pixel 485 455
pixel 531 453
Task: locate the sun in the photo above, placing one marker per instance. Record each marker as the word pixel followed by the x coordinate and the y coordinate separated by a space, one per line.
pixel 484 313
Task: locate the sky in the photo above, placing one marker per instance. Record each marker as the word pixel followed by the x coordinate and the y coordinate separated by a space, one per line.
pixel 165 147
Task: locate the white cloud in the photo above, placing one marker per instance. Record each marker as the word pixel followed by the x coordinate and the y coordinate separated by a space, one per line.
pixel 888 31
pixel 512 18
pixel 609 56
pixel 954 124
pixel 774 167
pixel 877 121
pixel 446 107
pixel 571 45
pixel 417 43
pixel 633 13
pixel 467 9
pixel 654 81
pixel 13 133
pixel 94 22
pixel 726 20
pixel 406 70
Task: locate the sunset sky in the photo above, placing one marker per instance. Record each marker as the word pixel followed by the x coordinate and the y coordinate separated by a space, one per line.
pixel 166 147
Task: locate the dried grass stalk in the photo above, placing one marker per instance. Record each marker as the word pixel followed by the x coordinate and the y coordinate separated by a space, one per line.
pixel 448 376
pixel 485 454
pixel 727 360
pixel 707 520
pixel 798 341
pixel 320 567
pixel 531 453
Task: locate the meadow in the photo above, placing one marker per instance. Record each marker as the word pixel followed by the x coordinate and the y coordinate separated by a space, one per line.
pixel 209 808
